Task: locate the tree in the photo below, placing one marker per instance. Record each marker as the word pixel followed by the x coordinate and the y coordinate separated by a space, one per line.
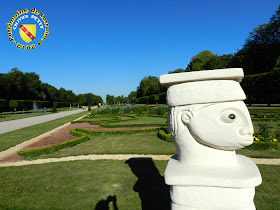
pixel 176 71
pixel 149 86
pixel 277 65
pixel 261 49
pixel 206 60
pixel 131 97
pixel 198 61
pixel 110 99
pixel 82 99
pixel 28 86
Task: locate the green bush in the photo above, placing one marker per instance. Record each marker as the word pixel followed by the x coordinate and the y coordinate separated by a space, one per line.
pixel 264 130
pixel 54 110
pixel 264 119
pixel 264 146
pixel 164 134
pixel 152 99
pixel 262 88
pixel 4 105
pixel 62 104
pixel 82 137
pixel 106 125
pixel 27 104
pixel 115 110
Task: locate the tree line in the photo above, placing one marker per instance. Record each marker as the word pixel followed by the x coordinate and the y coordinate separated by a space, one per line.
pixel 259 58
pixel 16 85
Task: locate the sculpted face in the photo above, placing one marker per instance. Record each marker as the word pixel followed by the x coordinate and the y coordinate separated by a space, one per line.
pixel 224 126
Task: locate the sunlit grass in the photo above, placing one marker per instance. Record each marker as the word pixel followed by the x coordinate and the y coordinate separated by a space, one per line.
pixel 141 143
pixel 84 184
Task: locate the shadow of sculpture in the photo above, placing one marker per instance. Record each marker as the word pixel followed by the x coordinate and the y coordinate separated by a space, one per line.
pixel 153 191
pixel 104 204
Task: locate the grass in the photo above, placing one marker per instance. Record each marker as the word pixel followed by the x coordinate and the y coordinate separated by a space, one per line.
pixel 20 116
pixel 73 185
pixel 267 194
pixel 95 119
pixel 13 138
pixel 9 117
pixel 86 184
pixel 142 120
pixel 141 143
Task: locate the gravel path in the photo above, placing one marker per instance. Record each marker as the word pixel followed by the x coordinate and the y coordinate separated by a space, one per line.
pixel 114 157
pixel 15 149
pixel 12 125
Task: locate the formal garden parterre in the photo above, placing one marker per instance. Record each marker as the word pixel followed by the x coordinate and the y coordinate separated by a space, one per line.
pixel 122 182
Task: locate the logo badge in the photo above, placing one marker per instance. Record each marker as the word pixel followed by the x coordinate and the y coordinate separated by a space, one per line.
pixel 27 32
pixel 28 28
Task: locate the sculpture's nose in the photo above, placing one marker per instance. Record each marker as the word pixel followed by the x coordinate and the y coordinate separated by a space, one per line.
pixel 246 131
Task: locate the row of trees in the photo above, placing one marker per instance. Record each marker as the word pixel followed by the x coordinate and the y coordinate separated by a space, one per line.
pixel 259 57
pixel 110 99
pixel 17 85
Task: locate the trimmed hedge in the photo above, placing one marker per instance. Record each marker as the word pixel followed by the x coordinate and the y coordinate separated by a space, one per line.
pixel 262 88
pixel 28 104
pixel 152 99
pixel 264 146
pixel 62 104
pixel 164 135
pixel 4 105
pixel 265 119
pixel 107 125
pixel 82 135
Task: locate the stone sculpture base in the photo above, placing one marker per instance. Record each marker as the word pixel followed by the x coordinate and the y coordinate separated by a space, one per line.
pixel 197 187
pixel 179 207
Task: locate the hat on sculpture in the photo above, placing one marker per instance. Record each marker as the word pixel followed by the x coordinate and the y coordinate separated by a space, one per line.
pixel 199 87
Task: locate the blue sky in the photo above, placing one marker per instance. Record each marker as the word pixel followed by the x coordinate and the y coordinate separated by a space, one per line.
pixel 108 46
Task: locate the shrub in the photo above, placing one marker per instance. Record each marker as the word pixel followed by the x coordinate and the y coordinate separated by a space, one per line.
pixel 115 110
pixel 264 129
pixel 62 104
pixel 4 105
pixel 27 104
pixel 164 134
pixel 54 148
pixel 54 110
pixel 261 145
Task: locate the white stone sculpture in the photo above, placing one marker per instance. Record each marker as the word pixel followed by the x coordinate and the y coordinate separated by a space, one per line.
pixel 208 121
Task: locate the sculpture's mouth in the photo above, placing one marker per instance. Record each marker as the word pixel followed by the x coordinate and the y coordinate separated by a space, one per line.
pixel 247 142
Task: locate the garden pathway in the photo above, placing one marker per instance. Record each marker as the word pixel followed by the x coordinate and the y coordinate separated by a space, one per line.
pixel 115 157
pixel 12 125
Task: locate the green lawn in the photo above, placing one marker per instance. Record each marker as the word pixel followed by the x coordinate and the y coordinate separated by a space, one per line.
pixel 95 119
pixel 87 184
pixel 20 116
pixel 9 117
pixel 13 138
pixel 141 143
pixel 141 120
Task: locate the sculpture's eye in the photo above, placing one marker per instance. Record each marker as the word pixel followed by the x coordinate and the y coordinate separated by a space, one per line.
pixel 228 116
pixel 232 116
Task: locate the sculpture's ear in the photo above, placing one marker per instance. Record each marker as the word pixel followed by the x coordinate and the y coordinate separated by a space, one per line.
pixel 186 117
